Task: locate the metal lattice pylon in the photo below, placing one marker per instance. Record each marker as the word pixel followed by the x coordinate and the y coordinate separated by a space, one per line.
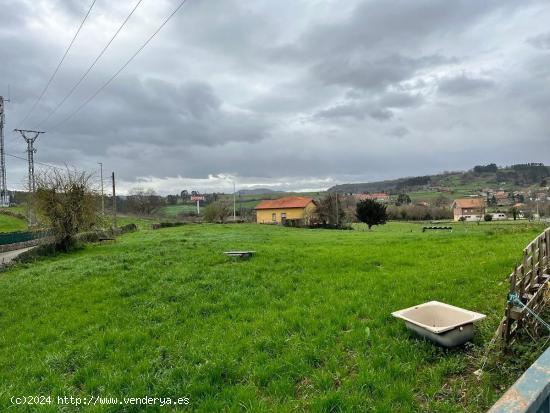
pixel 4 197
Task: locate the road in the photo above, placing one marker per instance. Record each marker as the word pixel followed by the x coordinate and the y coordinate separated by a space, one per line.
pixel 7 257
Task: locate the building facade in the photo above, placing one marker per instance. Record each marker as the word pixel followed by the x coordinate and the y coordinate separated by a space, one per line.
pixel 469 209
pixel 292 208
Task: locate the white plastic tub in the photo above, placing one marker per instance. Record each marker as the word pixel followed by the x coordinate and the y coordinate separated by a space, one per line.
pixel 442 323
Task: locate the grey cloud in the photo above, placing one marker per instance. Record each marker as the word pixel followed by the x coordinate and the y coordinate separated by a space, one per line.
pixel 295 89
pixel 387 26
pixel 361 106
pixel 464 85
pixel 363 73
pixel 381 113
pixel 399 132
pixel 401 100
pixel 541 41
pixel 354 111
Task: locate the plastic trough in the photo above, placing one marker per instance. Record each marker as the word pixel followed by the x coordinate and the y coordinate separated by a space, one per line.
pixel 444 324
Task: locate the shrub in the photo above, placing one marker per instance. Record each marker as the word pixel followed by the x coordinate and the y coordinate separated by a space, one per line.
pixel 13 214
pixel 403 199
pixel 488 217
pixel 418 213
pixel 128 228
pixel 217 211
pixel 371 212
pixel 166 225
pixel 65 200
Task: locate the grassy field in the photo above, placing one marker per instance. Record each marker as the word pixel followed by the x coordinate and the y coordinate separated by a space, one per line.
pixel 10 224
pixel 174 210
pixel 305 325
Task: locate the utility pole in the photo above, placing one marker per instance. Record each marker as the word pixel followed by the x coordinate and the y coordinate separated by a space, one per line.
pixel 337 212
pixel 30 136
pixel 114 201
pixel 102 196
pixel 234 210
pixel 4 197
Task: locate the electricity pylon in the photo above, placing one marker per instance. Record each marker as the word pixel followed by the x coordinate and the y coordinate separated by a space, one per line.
pixel 4 197
pixel 30 136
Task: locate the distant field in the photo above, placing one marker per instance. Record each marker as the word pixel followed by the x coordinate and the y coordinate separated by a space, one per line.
pixel 304 325
pixel 250 201
pixel 141 222
pixel 173 210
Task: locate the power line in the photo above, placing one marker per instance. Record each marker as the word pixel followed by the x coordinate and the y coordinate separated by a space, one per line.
pixel 58 65
pixel 108 82
pixel 40 163
pixel 87 72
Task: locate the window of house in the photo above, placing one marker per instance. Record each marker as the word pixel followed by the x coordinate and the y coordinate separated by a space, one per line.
pixel 274 217
pixel 283 215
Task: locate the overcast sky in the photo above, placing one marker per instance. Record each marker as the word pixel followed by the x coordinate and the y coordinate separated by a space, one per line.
pixel 287 94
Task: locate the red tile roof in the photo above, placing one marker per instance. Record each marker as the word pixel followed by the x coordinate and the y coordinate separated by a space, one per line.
pixel 470 203
pixel 287 202
pixel 362 197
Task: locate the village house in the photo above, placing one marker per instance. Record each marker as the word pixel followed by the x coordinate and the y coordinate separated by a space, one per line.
pixel 382 197
pixel 469 209
pixel 503 198
pixel 299 209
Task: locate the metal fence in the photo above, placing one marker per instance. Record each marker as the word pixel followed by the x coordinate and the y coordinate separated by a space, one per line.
pixel 531 393
pixel 16 237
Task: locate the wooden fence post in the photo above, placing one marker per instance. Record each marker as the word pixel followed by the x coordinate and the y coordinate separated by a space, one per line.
pixel 508 327
pixel 530 281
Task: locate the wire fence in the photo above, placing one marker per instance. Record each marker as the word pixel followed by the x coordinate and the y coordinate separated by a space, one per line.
pixel 20 236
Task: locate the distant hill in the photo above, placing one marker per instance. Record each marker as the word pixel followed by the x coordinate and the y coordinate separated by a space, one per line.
pixel 258 191
pixel 480 177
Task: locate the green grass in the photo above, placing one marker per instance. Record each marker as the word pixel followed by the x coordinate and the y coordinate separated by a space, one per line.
pixel 174 210
pixel 304 325
pixel 11 224
pixel 20 209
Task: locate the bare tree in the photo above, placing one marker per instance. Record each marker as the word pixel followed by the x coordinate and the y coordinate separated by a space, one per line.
pixel 330 211
pixel 217 211
pixel 144 201
pixel 66 201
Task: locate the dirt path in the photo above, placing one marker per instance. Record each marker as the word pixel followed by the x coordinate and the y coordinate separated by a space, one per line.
pixel 7 257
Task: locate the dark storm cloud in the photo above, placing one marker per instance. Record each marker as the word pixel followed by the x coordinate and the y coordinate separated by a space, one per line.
pixel 300 94
pixel 167 115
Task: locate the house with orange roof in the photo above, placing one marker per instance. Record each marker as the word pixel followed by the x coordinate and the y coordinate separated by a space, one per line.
pixel 382 197
pixel 468 209
pixel 290 208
